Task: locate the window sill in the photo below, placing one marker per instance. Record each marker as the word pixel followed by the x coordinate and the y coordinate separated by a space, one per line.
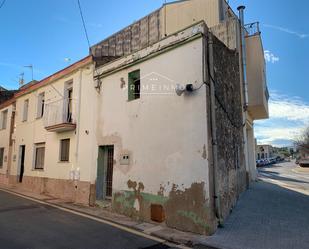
pixel 130 100
pixel 41 170
pixel 63 161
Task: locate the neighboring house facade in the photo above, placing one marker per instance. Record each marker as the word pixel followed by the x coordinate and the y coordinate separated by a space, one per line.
pixel 265 151
pixel 6 129
pixel 155 122
pixel 44 157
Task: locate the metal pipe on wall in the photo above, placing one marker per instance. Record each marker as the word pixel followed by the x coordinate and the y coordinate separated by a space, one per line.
pixel 243 53
pixel 211 76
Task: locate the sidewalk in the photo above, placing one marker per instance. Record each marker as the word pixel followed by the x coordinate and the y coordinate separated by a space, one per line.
pixel 184 239
pixel 267 216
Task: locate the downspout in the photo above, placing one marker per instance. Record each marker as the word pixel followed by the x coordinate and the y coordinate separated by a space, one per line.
pixel 78 119
pixel 243 54
pixel 210 66
pixel 244 81
pixel 10 152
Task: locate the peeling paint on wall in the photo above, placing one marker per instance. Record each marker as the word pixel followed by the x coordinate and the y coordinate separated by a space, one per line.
pixel 186 209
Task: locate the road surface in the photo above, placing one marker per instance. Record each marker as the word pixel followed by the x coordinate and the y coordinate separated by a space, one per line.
pixel 26 224
pixel 287 174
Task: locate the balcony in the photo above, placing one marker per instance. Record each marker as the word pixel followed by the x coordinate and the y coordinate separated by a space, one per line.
pixel 59 115
pixel 256 74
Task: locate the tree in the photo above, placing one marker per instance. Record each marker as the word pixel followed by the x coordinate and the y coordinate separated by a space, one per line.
pixel 303 142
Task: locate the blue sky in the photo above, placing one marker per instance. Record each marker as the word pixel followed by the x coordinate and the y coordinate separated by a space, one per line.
pixel 44 33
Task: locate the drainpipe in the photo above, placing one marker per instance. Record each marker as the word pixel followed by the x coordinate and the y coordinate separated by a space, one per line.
pixel 210 62
pixel 78 118
pixel 243 69
pixel 243 54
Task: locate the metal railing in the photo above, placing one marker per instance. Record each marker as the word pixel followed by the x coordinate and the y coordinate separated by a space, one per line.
pixel 60 112
pixel 252 28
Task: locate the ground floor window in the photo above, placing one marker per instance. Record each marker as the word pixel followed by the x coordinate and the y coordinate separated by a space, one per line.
pixel 1 157
pixel 39 156
pixel 64 150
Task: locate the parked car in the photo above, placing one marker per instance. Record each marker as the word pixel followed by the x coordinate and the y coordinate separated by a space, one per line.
pixel 259 163
pixel 272 160
pixel 304 162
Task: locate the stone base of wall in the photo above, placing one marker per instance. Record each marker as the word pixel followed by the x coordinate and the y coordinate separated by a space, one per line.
pixel 4 180
pixel 71 191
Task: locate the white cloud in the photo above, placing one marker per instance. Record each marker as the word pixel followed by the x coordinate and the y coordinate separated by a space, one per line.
pixel 288 31
pixel 270 57
pixel 289 108
pixel 288 117
pixel 271 135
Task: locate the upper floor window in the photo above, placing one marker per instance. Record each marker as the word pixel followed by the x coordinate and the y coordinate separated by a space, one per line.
pixel 68 102
pixel 134 85
pixel 4 119
pixel 1 157
pixel 26 108
pixel 41 103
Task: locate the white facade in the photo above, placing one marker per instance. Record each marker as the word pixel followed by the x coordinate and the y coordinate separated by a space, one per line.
pixel 161 132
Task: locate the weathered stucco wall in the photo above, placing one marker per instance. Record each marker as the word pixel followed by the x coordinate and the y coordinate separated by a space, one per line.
pixel 165 136
pixel 231 163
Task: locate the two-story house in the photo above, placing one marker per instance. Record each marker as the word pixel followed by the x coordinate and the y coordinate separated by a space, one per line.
pixel 156 121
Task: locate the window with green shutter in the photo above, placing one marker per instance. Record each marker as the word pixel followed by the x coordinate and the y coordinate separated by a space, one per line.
pixel 134 85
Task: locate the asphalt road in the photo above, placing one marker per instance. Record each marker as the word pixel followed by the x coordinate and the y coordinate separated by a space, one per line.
pixel 287 173
pixel 25 224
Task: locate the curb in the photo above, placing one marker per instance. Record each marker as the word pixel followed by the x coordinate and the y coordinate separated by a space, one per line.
pixel 161 239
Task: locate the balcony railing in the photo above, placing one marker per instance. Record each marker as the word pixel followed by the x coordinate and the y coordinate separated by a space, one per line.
pixel 266 93
pixel 59 115
pixel 253 28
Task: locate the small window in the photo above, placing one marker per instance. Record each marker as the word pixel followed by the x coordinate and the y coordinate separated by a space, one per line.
pixel 26 107
pixel 41 103
pixel 4 119
pixel 1 157
pixel 39 156
pixel 134 85
pixel 64 150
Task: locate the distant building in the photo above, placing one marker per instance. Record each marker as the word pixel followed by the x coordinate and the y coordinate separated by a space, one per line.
pixel 265 151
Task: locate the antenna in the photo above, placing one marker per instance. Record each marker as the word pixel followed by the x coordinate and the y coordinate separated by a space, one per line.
pixel 21 79
pixel 31 68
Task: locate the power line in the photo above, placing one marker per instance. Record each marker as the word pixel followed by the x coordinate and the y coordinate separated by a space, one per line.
pixel 83 21
pixel 3 2
pixel 98 87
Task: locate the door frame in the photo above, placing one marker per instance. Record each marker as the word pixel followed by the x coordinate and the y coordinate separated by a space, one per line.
pixel 102 165
pixel 21 163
